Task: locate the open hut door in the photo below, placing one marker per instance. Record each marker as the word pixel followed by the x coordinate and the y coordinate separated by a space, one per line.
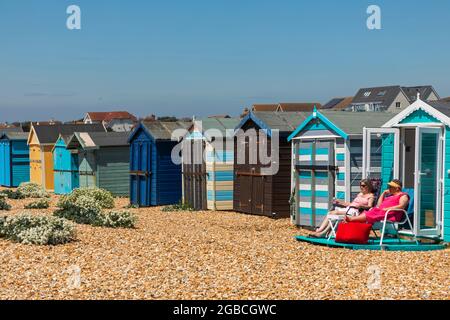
pixel 316 170
pixel 194 174
pixel 428 181
pixel 381 149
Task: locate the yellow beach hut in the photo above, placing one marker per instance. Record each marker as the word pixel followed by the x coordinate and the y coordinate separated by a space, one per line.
pixel 41 139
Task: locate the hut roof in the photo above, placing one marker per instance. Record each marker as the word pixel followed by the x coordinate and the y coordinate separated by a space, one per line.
pixel 162 130
pixel 285 122
pixel 224 125
pixel 50 133
pixel 95 140
pixel 14 135
pixel 347 123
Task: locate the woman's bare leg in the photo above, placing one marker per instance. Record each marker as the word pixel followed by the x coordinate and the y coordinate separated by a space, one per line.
pixel 325 226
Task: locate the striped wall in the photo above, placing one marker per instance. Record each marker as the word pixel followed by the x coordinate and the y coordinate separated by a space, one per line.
pixel 340 190
pixel 219 170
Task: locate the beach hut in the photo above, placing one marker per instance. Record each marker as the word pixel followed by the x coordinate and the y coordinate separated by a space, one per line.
pixel 208 157
pixel 262 185
pixel 416 150
pixel 41 140
pixel 14 159
pixel 328 161
pixel 154 178
pixel 103 160
pixel 65 166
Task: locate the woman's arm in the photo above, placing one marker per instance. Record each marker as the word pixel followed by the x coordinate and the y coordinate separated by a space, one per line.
pixel 381 198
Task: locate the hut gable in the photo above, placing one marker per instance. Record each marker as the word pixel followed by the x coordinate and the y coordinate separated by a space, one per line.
pixel 48 134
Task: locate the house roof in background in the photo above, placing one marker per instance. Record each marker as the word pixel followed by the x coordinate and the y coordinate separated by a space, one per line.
pixel 298 106
pixel 48 134
pixel 384 95
pixel 425 92
pixel 265 107
pixel 338 103
pixel 110 115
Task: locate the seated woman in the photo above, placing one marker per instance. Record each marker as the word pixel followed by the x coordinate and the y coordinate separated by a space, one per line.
pixel 393 198
pixel 364 200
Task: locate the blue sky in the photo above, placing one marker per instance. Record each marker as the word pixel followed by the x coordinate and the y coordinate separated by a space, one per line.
pixel 200 57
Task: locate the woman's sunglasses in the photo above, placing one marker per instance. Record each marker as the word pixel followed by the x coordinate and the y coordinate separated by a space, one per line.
pixel 363 185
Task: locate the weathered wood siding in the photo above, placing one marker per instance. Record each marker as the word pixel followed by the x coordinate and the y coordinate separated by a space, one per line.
pixel 113 169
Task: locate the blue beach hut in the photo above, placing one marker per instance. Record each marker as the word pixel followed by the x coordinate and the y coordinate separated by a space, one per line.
pixel 65 166
pixel 154 178
pixel 328 161
pixel 14 159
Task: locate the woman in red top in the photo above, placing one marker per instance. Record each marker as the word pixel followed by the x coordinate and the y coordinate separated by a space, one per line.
pixel 391 199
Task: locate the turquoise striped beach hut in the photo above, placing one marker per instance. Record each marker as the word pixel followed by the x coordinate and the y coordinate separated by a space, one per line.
pixel 418 153
pixel 327 161
pixel 208 164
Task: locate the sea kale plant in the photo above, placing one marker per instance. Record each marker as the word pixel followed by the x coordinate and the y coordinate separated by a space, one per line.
pixel 32 190
pixel 40 230
pixel 38 204
pixel 86 206
pixel 3 203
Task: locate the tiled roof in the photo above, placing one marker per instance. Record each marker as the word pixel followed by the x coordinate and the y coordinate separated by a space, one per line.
pixel 108 116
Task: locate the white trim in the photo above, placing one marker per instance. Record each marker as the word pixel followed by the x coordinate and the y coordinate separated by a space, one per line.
pixel 340 150
pixel 316 137
pixel 341 189
pixel 417 105
pixel 304 187
pixel 367 148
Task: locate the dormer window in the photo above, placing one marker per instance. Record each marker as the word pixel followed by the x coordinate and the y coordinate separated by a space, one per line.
pixel 367 93
pixel 382 93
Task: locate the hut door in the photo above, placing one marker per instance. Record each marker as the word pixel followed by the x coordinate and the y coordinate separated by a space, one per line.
pixel 428 185
pixel 245 201
pixel 257 194
pixel 195 178
pixel 316 172
pixel 140 173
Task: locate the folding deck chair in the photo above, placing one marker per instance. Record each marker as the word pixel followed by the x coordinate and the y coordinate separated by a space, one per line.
pixel 396 225
pixel 335 219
